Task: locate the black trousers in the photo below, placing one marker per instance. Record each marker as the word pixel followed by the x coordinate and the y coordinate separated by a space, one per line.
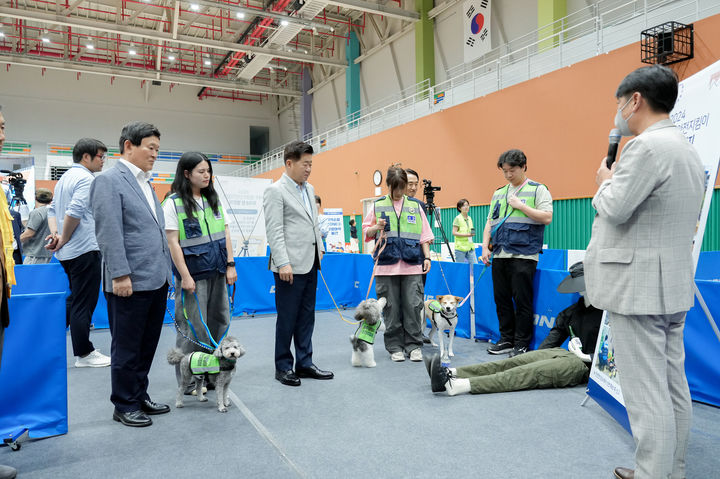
pixel 295 305
pixel 513 291
pixel 135 325
pixel 83 275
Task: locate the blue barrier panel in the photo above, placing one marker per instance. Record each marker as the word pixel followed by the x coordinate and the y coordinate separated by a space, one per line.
pixel 457 276
pixel 363 266
pixel 702 347
pixel 34 386
pixel 553 259
pixel 486 321
pixel 40 278
pixel 708 265
pixel 255 290
pixel 548 303
pixel 339 270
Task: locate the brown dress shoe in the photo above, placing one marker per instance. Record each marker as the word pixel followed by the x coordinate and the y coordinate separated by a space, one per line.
pixel 624 473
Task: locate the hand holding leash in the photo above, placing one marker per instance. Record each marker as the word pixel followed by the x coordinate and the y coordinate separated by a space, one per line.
pixel 188 284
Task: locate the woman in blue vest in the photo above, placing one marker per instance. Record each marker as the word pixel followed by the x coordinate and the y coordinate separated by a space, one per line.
pixel 401 265
pixel 201 249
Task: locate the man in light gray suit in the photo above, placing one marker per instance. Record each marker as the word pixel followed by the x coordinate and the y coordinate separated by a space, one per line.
pixel 130 230
pixel 296 248
pixel 639 267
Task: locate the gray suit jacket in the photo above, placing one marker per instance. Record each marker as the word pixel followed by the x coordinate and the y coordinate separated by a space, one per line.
pixel 293 233
pixel 131 239
pixel 639 259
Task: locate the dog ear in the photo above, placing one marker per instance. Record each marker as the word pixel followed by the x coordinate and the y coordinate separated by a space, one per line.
pixel 459 299
pixel 439 298
pixel 382 302
pixel 217 353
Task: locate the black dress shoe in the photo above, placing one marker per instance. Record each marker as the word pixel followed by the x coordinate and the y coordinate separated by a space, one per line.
pixel 314 373
pixel 152 408
pixel 288 378
pixel 132 418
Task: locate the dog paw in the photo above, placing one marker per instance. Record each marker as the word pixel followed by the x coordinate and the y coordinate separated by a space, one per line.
pixel 227 403
pixel 179 404
pixel 451 354
pixel 202 399
pixel 433 344
pixel 372 365
pixel 222 409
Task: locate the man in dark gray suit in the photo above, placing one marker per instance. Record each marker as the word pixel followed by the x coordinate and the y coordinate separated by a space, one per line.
pixel 296 248
pixel 639 267
pixel 130 230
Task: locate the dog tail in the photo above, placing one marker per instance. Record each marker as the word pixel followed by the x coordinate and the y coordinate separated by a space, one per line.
pixel 174 356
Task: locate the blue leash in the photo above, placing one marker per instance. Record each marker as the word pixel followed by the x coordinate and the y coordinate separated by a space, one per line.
pixel 231 301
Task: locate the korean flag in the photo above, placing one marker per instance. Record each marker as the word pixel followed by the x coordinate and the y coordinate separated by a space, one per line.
pixel 476 29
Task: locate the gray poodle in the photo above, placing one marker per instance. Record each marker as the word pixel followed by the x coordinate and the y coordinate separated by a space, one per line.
pixel 196 365
pixel 369 313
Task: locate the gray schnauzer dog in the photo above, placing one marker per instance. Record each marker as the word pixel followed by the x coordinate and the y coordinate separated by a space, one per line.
pixel 369 313
pixel 196 365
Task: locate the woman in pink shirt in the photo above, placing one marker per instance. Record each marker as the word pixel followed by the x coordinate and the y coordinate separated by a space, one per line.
pixel 403 261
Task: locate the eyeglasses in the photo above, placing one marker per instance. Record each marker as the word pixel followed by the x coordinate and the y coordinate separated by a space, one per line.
pixel 102 157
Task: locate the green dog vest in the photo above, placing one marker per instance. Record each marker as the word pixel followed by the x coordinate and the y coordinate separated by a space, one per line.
pixel 366 332
pixel 204 363
pixel 435 306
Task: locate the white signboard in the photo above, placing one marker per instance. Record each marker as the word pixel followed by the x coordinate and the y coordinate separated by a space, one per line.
pixel 476 29
pixel 335 240
pixel 243 198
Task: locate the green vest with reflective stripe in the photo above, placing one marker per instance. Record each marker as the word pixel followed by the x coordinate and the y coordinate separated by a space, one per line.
pixel 212 227
pixel 402 233
pixel 204 363
pixel 202 239
pixel 518 234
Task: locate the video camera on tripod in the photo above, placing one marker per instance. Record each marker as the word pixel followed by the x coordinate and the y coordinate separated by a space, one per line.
pixel 429 194
pixel 17 186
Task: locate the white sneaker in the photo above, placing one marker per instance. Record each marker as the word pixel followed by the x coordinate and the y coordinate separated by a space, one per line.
pixel 93 360
pixel 416 355
pixel 398 357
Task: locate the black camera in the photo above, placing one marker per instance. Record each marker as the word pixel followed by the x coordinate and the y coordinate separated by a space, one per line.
pixel 17 182
pixel 429 192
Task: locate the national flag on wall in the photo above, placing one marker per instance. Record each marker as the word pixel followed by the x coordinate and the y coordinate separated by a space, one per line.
pixel 476 29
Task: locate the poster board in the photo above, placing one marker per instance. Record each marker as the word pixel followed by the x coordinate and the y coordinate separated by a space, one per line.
pixel 335 240
pixel 243 198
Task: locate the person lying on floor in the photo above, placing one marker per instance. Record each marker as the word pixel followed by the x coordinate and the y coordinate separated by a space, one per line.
pixel 550 366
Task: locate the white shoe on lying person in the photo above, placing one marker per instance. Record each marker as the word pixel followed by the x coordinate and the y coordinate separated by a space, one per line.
pixel 93 360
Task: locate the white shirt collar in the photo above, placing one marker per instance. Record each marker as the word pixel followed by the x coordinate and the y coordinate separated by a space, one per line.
pixel 137 172
pixel 295 183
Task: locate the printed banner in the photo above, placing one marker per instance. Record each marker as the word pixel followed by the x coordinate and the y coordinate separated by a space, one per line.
pixel 244 200
pixel 335 239
pixel 696 111
pixel 476 29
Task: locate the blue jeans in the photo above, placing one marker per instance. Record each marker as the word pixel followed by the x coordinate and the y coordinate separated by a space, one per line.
pixel 465 257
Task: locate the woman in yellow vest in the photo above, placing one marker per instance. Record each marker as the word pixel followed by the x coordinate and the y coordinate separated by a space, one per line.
pixel 401 265
pixel 201 249
pixel 464 230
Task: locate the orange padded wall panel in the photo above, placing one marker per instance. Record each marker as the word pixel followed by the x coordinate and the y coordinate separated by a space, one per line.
pixel 560 120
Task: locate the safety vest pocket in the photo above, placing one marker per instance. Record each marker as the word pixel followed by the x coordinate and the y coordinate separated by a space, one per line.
pixel 518 233
pixel 192 228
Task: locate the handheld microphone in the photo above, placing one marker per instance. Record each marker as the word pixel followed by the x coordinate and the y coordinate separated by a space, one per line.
pixel 613 147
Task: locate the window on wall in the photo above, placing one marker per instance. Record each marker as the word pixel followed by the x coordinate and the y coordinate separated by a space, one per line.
pixel 259 140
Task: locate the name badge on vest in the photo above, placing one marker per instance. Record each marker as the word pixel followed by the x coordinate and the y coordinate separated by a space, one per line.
pixel 411 219
pixel 218 215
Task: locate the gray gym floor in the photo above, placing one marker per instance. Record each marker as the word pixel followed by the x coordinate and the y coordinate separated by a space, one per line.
pixel 381 422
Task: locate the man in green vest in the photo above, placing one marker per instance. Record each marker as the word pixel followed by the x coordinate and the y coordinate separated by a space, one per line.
pixel 513 235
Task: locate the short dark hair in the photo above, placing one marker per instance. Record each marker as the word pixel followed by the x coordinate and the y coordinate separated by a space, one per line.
pixel 135 131
pixel 410 171
pixel 513 158
pixel 91 146
pixel 658 84
pixel 295 150
pixel 318 200
pixel 396 179
pixel 461 202
pixel 351 222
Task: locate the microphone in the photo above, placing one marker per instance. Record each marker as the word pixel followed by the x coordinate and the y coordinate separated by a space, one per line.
pixel 613 147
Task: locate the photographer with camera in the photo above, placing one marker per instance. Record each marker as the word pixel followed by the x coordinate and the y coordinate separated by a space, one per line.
pixel 463 231
pixel 519 212
pixel 401 264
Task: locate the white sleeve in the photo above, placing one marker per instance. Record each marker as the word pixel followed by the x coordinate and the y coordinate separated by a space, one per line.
pixel 225 210
pixel 543 199
pixel 171 219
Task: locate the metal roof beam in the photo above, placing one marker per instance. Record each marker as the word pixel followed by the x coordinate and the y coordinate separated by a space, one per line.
pixel 377 9
pixel 59 64
pixel 75 22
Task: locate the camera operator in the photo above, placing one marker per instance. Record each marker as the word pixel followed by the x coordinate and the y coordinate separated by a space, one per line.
pixel 514 230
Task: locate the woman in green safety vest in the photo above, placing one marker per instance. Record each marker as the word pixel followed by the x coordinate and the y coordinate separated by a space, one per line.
pixel 201 249
pixel 400 265
pixel 464 230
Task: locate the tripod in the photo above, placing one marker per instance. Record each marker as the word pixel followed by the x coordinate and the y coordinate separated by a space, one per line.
pixel 244 251
pixel 432 210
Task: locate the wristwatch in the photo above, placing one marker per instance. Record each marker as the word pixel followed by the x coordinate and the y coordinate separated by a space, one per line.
pixel 230 263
